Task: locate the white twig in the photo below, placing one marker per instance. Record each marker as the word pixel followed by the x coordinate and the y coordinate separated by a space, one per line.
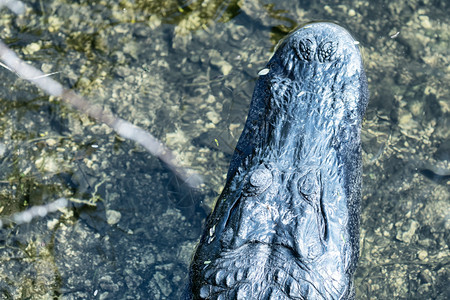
pixel 35 211
pixel 15 6
pixel 6 67
pixel 123 128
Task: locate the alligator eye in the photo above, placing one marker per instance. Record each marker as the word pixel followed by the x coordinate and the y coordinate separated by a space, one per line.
pixel 260 177
pixel 308 186
pixel 306 49
pixel 326 51
pixel 259 181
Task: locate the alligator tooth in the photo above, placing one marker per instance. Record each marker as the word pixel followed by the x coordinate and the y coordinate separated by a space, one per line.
pixel 275 294
pixel 239 275
pixel 220 277
pixel 253 274
pixel 230 280
pixel 292 288
pixel 299 290
pixel 205 291
pixel 222 297
pixel 244 292
pixel 209 272
pixel 279 276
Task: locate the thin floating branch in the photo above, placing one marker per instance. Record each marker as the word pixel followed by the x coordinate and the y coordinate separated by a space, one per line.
pixel 35 211
pixel 16 7
pixel 122 127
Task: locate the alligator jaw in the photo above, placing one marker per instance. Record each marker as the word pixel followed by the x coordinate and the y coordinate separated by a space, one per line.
pixel 260 271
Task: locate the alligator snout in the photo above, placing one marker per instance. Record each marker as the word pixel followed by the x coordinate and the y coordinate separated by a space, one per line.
pixel 287 222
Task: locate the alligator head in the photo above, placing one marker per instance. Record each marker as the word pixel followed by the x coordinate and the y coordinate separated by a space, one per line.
pixel 286 225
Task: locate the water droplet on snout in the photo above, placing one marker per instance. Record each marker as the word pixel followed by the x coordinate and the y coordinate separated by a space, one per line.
pixel 264 71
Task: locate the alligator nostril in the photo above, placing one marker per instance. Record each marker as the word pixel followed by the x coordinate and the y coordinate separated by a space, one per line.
pixel 326 51
pixel 306 49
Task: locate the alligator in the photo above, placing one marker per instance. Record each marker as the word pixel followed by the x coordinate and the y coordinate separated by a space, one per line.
pixel 286 225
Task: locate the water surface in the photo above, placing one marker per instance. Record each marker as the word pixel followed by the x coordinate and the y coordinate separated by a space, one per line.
pixel 184 71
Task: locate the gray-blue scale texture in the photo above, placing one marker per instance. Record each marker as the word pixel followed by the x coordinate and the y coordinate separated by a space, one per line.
pixel 286 225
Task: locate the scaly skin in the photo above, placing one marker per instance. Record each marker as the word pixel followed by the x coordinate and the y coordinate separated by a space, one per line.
pixel 286 225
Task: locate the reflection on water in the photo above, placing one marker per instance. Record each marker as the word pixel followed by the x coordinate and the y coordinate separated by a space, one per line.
pixel 185 72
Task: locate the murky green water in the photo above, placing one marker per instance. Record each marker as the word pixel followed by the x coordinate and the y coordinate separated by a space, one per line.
pixel 185 71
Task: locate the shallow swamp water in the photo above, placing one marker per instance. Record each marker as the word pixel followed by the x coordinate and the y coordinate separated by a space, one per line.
pixel 185 72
